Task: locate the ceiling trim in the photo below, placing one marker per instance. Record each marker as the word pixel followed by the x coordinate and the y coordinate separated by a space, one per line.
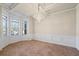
pixel 62 11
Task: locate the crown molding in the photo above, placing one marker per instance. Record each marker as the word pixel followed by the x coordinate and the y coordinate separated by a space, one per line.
pixel 48 14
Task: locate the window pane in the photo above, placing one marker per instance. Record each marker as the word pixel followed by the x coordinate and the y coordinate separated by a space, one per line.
pixel 4 21
pixel 25 27
pixel 14 27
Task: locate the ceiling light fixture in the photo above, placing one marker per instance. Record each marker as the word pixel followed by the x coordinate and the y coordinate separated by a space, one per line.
pixel 39 14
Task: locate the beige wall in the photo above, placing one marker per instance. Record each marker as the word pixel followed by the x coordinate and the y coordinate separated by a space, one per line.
pixel 0 20
pixel 77 26
pixel 31 25
pixel 62 23
pixel 77 20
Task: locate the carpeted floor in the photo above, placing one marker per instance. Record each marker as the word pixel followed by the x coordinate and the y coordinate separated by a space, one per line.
pixel 37 48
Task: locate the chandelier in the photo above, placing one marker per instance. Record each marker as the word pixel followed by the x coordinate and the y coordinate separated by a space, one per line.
pixel 40 14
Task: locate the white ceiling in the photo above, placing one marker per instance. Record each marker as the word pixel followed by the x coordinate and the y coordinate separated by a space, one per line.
pixel 28 8
pixel 32 8
pixel 8 5
pixel 60 7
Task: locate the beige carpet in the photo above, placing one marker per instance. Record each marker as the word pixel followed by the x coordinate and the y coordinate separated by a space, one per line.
pixel 37 48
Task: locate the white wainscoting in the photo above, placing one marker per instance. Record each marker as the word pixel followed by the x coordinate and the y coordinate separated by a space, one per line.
pixel 57 39
pixel 12 39
pixel 77 42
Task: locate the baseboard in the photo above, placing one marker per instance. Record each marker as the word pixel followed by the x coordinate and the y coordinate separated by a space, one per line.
pixel 57 39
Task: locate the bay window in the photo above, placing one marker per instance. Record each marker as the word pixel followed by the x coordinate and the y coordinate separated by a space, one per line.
pixel 13 24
